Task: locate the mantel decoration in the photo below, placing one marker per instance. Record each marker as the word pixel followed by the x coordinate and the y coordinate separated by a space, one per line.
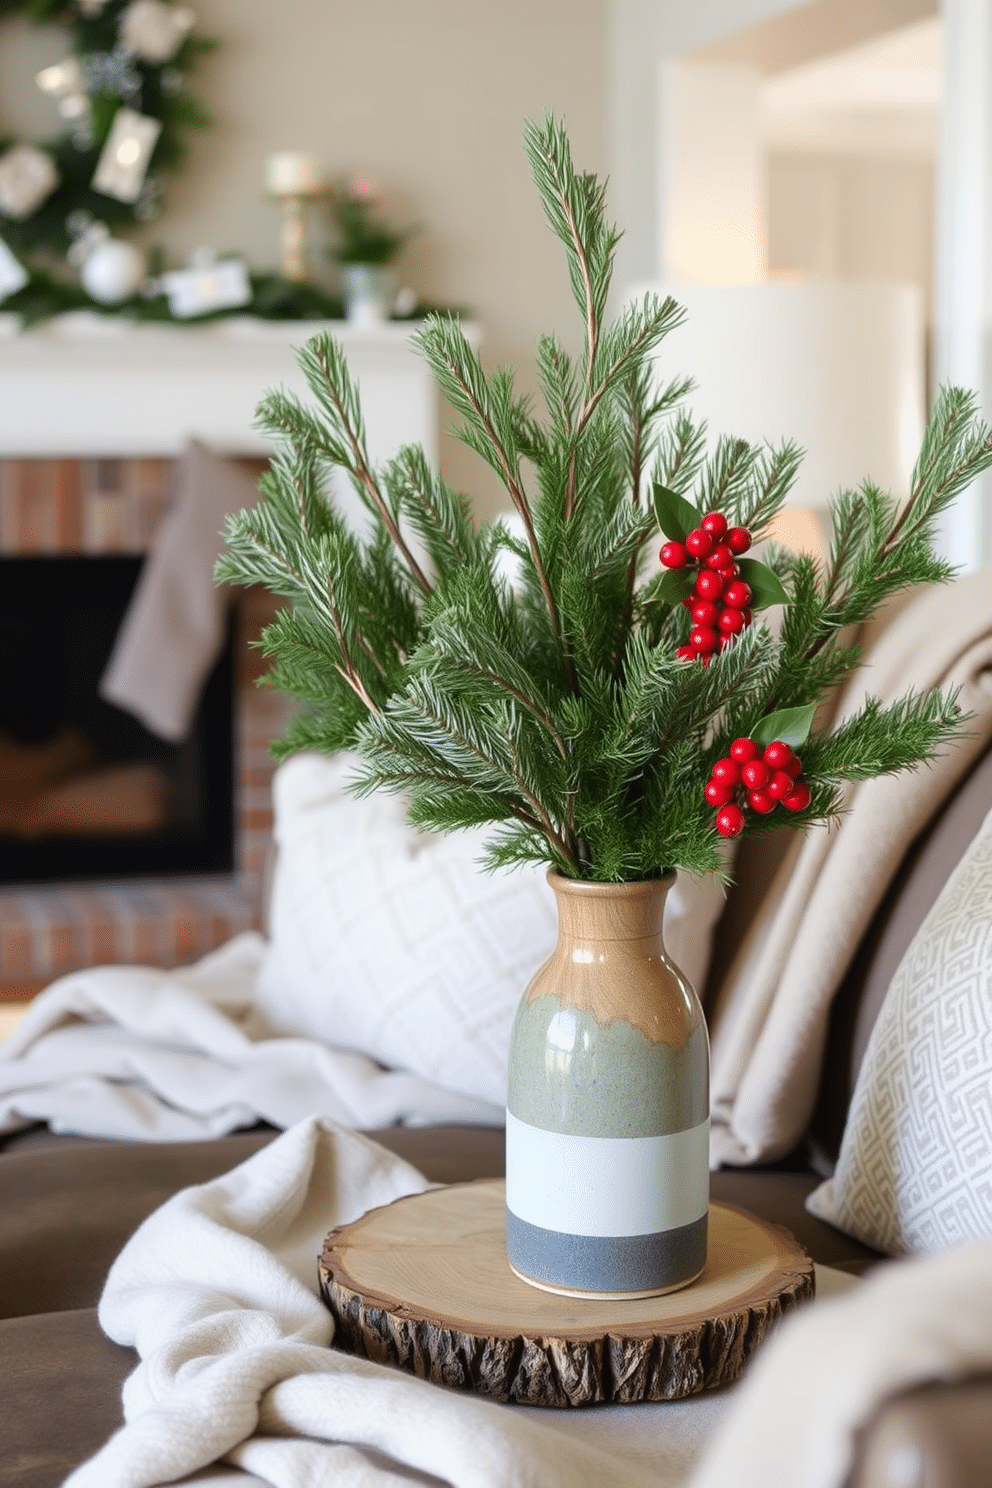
pixel 365 249
pixel 121 93
pixel 294 177
pixel 617 711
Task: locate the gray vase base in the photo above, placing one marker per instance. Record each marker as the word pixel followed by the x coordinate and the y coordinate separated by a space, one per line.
pixel 590 1296
pixel 606 1266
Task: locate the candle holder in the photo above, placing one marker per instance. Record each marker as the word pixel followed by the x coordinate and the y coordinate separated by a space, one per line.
pixel 294 178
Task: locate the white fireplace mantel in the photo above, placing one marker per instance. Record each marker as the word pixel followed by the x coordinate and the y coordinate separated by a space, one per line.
pixel 90 385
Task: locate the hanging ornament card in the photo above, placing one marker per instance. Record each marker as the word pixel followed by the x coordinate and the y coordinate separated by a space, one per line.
pixel 123 163
pixel 208 284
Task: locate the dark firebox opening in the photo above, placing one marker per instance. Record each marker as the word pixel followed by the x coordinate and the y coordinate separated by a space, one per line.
pixel 86 792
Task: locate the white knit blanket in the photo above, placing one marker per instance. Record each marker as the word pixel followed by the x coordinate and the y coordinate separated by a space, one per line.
pixel 217 1291
pixel 133 1052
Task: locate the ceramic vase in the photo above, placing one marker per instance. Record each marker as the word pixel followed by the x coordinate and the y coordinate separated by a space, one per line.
pixel 607 1139
pixel 368 292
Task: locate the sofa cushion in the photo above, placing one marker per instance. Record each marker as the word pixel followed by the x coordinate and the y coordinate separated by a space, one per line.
pixel 68 1210
pixel 66 1213
pixel 915 1167
pixel 913 892
pixel 61 1395
pixel 391 942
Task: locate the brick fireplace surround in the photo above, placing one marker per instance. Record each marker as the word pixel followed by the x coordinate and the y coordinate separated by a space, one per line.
pixel 91 506
pixel 88 386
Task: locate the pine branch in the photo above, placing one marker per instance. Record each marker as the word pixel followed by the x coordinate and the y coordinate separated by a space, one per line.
pixel 498 669
pixel 641 404
pixel 682 451
pixel 441 519
pixel 455 740
pixel 559 385
pixel 323 362
pixel 775 471
pixel 464 383
pixel 304 660
pixel 956 447
pixel 725 473
pixel 573 205
pixel 879 740
pixel 636 334
pixel 556 709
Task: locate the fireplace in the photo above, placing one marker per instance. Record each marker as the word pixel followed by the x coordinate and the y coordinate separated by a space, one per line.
pixel 86 791
pixel 107 512
pixel 94 412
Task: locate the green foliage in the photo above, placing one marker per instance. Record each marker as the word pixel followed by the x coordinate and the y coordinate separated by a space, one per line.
pixel 363 234
pixel 554 707
pixel 789 726
pixel 272 298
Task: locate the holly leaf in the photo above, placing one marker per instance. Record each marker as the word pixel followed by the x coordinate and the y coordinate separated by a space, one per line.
pixel 676 516
pixel 676 586
pixel 764 584
pixel 791 725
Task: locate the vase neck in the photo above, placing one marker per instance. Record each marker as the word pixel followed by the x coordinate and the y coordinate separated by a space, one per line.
pixel 610 913
pixel 609 960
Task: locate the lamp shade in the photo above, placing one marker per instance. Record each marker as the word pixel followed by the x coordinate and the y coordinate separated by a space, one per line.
pixel 838 367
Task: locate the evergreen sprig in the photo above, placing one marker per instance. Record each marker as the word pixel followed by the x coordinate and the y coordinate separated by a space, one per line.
pixel 552 705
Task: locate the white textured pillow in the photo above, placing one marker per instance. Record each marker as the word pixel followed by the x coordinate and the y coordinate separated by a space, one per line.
pixel 914 1172
pixel 394 942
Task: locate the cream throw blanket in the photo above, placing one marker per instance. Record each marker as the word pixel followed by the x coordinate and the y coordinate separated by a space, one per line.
pixel 769 1019
pixel 792 1423
pixel 147 1055
pixel 217 1292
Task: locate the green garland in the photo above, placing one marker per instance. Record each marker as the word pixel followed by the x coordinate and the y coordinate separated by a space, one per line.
pixel 114 77
pixel 272 298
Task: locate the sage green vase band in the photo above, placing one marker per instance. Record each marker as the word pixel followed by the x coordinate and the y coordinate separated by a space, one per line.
pixel 561 1075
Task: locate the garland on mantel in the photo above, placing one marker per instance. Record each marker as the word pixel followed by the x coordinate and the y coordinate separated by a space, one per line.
pixel 272 298
pixel 129 59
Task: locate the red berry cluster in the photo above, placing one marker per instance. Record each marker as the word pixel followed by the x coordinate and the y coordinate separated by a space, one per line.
pixel 759 779
pixel 719 606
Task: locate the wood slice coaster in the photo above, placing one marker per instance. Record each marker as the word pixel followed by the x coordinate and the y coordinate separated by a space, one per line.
pixel 423 1284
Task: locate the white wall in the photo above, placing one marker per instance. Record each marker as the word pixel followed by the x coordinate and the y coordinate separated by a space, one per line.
pixel 642 34
pixel 711 211
pixel 852 217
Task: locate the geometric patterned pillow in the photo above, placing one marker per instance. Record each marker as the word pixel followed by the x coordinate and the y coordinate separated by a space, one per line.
pixel 914 1173
pixel 391 942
